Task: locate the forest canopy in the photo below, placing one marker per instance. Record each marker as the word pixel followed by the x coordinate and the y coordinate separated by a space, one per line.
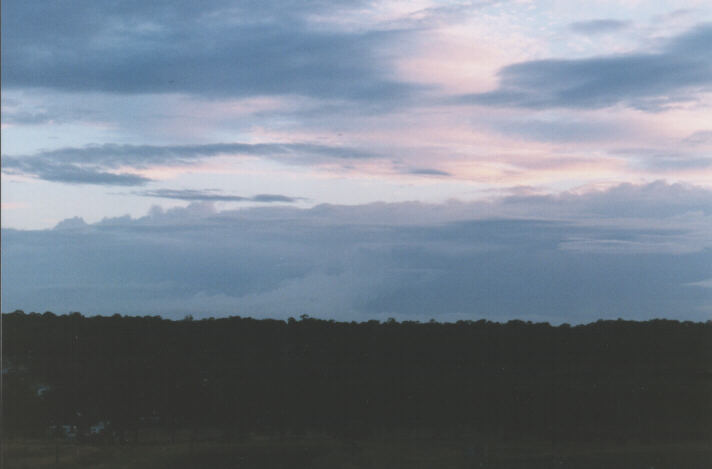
pixel 608 380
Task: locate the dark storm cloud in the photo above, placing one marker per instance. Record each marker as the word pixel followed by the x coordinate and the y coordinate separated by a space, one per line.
pixel 647 80
pixel 605 254
pixel 207 195
pixel 92 164
pixel 204 48
pixel 598 26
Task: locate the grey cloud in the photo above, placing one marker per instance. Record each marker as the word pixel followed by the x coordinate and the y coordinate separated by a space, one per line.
pixel 215 196
pixel 72 175
pixel 656 200
pixel 428 172
pixel 273 198
pixel 693 43
pixel 76 223
pixel 702 283
pixel 674 15
pixel 681 156
pixel 560 129
pixel 599 26
pixel 113 155
pixel 43 109
pixel 645 80
pixel 604 254
pixel 699 138
pixel 212 49
pixel 675 161
pixel 92 164
pixel 27 118
pixel 69 173
pixel 444 13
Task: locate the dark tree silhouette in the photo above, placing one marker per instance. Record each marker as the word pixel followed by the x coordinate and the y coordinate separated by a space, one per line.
pixel 607 381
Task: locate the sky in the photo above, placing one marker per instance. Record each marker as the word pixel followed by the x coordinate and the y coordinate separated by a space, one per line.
pixel 540 160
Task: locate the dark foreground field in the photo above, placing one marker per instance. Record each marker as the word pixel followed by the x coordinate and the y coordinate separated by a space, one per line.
pixel 375 453
pixel 147 392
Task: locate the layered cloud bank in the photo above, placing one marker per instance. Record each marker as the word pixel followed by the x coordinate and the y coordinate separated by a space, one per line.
pixel 418 100
pixel 629 251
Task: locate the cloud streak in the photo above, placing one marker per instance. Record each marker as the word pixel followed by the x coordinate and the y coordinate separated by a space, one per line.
pixel 600 26
pixel 207 195
pixel 428 172
pixel 96 164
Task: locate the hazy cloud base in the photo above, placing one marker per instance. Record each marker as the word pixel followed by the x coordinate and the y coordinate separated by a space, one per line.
pixel 630 251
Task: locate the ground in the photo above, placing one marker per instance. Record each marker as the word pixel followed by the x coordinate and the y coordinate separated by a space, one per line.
pixel 327 453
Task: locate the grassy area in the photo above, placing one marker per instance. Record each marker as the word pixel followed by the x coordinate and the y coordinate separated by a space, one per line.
pixel 326 453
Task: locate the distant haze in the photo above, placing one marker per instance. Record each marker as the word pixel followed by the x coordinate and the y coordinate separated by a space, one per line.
pixel 636 252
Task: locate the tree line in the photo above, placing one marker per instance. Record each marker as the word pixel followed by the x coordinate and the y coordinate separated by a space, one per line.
pixel 609 380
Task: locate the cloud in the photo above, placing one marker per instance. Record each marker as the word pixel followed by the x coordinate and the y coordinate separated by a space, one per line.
pixel 655 201
pixel 600 26
pixel 664 159
pixel 707 283
pixel 607 253
pixel 273 198
pixel 27 118
pixel 428 172
pixel 75 223
pixel 214 49
pixel 568 128
pixel 95 164
pixel 209 195
pixel 700 137
pixel 68 173
pixel 644 80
